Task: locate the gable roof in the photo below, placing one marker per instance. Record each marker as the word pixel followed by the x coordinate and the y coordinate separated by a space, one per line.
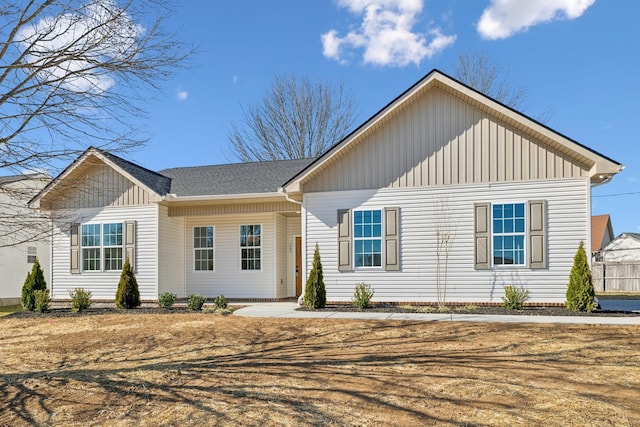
pixel 155 181
pixel 216 180
pixel 236 178
pixel 600 228
pixel 602 168
pixel 152 180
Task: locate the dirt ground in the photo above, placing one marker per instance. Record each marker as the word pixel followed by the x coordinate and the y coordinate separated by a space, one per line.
pixel 201 369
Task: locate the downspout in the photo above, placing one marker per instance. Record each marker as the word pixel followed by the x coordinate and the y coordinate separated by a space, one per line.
pixel 303 255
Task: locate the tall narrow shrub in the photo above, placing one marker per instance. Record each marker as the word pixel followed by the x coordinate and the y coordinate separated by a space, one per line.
pixel 34 282
pixel 128 295
pixel 315 296
pixel 580 292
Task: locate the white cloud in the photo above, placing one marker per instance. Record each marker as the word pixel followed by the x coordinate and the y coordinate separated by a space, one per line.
pixel 97 33
pixel 235 78
pixel 504 18
pixel 182 95
pixel 385 34
pixel 632 179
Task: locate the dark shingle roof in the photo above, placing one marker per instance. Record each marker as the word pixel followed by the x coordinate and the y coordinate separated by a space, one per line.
pixel 155 181
pixel 15 178
pixel 237 178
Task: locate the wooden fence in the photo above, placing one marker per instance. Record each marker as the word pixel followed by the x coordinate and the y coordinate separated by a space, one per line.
pixel 616 276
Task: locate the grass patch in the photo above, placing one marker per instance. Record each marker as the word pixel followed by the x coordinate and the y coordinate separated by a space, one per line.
pixel 8 309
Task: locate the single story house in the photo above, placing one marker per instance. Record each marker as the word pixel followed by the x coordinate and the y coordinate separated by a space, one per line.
pixel 623 249
pixel 23 235
pixel 443 193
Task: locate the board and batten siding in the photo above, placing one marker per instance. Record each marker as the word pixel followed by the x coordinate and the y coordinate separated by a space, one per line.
pixel 103 285
pixel 97 186
pixel 227 277
pixel 420 210
pixel 171 254
pixel 440 140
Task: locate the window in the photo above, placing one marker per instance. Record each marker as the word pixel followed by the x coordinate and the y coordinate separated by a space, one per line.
pixel 509 234
pixel 32 254
pixel 112 244
pixel 250 245
pixel 203 248
pixel 101 242
pixel 367 238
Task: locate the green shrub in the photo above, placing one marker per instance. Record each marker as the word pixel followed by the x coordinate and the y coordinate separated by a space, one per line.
pixel 580 292
pixel 221 302
pixel 42 300
pixel 514 297
pixel 167 299
pixel 34 281
pixel 127 295
pixel 80 299
pixel 315 295
pixel 362 295
pixel 195 302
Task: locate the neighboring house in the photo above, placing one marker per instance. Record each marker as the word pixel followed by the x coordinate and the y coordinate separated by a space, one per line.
pixel 624 248
pixel 22 238
pixel 601 234
pixel 442 192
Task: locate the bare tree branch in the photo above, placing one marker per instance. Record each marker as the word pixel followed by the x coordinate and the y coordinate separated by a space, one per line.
pixel 75 73
pixel 296 119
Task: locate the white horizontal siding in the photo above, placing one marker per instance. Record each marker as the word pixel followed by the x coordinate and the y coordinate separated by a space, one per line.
pixel 171 253
pixel 103 285
pixel 280 276
pixel 228 278
pixel 420 210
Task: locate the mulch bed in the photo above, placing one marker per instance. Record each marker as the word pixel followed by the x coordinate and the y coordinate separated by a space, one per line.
pixel 66 312
pixel 526 311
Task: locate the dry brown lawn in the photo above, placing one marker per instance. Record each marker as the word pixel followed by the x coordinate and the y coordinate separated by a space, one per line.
pixel 200 369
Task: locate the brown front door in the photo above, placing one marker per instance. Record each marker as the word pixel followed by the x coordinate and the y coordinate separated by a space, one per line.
pixel 298 266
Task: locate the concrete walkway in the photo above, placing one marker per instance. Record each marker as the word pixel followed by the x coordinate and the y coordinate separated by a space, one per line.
pixel 287 310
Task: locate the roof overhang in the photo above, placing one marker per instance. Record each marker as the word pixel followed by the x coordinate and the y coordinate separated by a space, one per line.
pixel 173 200
pixel 600 167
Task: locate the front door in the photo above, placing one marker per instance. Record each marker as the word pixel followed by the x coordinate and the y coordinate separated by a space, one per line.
pixel 298 266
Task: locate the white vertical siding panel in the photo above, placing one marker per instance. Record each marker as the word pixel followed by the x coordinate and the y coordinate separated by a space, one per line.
pixel 567 226
pixel 172 244
pixel 280 248
pixel 104 285
pixel 228 278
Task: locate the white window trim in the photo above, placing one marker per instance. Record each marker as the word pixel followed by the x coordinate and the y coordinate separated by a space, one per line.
pixel 353 240
pixel 249 271
pixel 213 249
pixel 101 247
pixel 526 236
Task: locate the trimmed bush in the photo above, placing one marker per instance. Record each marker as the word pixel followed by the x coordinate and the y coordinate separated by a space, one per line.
pixel 362 295
pixel 315 295
pixel 221 302
pixel 167 299
pixel 128 295
pixel 34 281
pixel 580 292
pixel 195 302
pixel 514 297
pixel 42 300
pixel 80 299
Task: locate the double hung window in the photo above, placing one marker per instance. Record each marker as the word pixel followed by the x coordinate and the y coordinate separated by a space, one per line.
pixel 250 247
pixel 367 238
pixel 203 246
pixel 509 234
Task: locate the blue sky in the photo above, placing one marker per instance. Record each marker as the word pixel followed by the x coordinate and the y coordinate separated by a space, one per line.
pixel 579 58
